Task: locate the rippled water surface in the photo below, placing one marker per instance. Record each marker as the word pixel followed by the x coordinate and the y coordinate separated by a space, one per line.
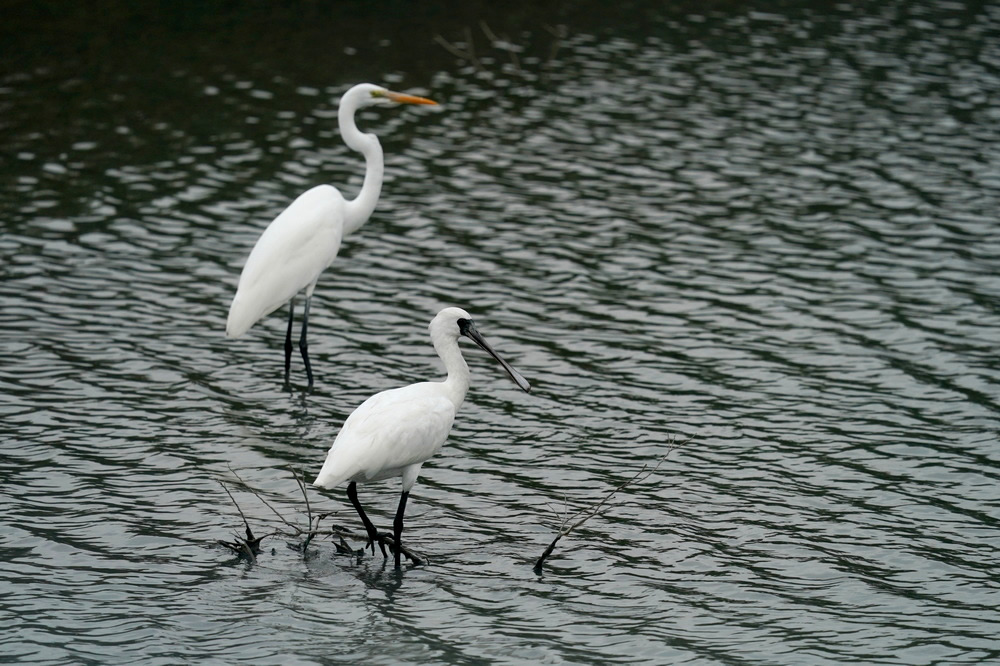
pixel 769 238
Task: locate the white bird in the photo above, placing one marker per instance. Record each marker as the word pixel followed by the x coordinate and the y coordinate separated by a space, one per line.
pixel 304 239
pixel 394 432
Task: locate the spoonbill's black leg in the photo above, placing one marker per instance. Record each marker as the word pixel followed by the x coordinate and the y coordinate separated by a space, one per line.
pixel 288 338
pixel 352 494
pixel 397 526
pixel 303 345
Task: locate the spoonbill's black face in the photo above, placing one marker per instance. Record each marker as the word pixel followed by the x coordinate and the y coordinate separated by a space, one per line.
pixel 468 329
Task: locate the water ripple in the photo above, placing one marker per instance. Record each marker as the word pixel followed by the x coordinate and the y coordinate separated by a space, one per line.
pixel 764 239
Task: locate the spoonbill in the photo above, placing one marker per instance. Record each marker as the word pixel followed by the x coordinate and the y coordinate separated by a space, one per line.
pixel 304 239
pixel 394 432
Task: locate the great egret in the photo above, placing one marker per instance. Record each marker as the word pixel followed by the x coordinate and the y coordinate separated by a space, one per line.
pixel 304 239
pixel 394 432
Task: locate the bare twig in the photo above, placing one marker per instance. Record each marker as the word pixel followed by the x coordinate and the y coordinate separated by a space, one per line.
pixel 411 555
pixel 559 33
pixel 514 60
pixel 471 45
pixel 489 33
pixel 383 538
pixel 247 547
pixel 233 499
pixel 463 54
pixel 583 515
pixel 502 43
pixel 343 548
pixel 293 531
pixel 250 489
pixel 313 529
pixel 305 496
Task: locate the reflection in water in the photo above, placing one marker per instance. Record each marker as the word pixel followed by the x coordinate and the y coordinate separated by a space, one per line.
pixel 772 231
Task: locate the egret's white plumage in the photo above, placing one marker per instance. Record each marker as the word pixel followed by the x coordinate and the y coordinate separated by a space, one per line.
pixel 304 239
pixel 394 432
pixel 289 256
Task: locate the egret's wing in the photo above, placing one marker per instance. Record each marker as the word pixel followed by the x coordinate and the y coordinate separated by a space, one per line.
pixel 389 431
pixel 288 257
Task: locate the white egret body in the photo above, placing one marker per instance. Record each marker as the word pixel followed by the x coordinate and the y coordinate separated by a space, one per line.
pixel 304 239
pixel 394 432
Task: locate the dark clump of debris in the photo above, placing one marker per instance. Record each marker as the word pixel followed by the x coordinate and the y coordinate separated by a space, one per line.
pixel 245 548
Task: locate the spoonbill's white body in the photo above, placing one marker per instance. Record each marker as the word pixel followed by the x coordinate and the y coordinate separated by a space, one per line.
pixel 304 239
pixel 394 432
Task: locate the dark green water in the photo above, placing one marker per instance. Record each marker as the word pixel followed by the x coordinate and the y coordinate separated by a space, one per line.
pixel 772 232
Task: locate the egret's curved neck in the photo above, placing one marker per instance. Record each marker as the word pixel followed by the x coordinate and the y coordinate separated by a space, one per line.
pixel 457 384
pixel 361 207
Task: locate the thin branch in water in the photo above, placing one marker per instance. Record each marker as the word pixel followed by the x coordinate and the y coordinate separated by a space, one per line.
pixel 342 547
pixel 250 489
pixel 248 547
pixel 470 45
pixel 233 500
pixel 313 530
pixel 502 43
pixel 558 33
pixel 460 53
pixel 384 538
pixel 391 543
pixel 489 33
pixel 293 531
pixel 583 515
pixel 305 496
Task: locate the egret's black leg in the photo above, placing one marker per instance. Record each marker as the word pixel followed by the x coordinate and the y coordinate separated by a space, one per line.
pixel 352 494
pixel 303 345
pixel 397 526
pixel 288 338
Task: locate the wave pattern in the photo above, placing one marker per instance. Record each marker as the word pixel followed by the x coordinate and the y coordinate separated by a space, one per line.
pixel 767 238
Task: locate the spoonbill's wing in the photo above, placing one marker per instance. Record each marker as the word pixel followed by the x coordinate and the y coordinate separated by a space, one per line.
pixel 388 432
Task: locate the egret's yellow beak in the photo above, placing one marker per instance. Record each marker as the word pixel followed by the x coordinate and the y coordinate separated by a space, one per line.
pixel 400 98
